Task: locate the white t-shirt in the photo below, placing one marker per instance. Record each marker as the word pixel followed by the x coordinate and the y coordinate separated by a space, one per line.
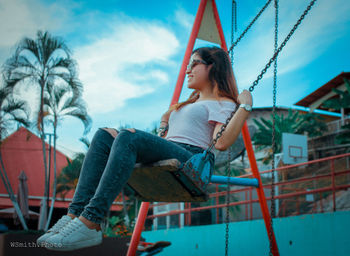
pixel 194 123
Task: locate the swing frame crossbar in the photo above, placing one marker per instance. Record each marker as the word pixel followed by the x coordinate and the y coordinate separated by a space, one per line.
pixel 245 132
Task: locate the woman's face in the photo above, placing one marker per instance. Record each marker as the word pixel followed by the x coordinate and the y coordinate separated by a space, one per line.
pixel 197 73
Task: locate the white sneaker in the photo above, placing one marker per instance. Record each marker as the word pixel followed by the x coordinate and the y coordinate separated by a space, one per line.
pixel 74 235
pixel 54 229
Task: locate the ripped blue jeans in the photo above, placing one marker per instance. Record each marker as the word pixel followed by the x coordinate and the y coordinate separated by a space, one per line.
pixel 109 163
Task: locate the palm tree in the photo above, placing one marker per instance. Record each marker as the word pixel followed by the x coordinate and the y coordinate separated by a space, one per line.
pixel 12 111
pixel 60 102
pixel 35 63
pixel 294 122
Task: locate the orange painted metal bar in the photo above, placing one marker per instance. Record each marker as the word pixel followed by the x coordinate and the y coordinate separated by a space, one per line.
pixel 284 196
pixel 135 239
pixel 260 189
pixel 333 185
pixel 188 53
pixel 300 164
pixel 218 25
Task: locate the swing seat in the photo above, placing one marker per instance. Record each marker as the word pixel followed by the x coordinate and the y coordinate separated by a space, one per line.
pixel 165 181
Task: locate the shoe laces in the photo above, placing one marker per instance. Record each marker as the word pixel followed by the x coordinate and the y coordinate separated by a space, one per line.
pixel 70 228
pixel 59 224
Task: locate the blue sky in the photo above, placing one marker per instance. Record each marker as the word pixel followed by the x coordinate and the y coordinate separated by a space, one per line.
pixel 129 52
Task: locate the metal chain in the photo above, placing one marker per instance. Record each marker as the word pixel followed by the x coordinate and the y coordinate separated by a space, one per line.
pixel 251 88
pixel 249 26
pixel 228 202
pixel 233 26
pixel 272 214
pixel 228 172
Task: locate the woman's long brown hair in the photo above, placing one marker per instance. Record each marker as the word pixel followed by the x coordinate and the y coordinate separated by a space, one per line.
pixel 220 74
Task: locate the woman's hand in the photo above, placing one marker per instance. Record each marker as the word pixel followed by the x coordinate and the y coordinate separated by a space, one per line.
pixel 245 97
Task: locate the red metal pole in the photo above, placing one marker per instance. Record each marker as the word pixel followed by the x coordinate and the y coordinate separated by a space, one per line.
pixel 333 184
pixel 298 206
pixel 260 190
pixel 218 25
pixel 246 206
pixel 135 239
pixel 251 203
pixel 190 45
pixel 217 202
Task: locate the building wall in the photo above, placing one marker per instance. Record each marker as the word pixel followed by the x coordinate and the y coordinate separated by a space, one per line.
pixel 22 151
pixel 323 234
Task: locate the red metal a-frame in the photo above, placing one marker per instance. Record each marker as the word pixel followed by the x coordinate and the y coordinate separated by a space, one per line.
pixel 207 26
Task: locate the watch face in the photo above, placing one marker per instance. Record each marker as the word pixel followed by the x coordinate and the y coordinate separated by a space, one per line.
pixel 246 107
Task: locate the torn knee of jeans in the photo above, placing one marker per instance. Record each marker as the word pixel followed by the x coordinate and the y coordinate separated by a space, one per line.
pixel 111 131
pixel 131 130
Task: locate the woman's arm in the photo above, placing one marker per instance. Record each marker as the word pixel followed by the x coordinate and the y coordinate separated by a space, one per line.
pixel 235 125
pixel 164 123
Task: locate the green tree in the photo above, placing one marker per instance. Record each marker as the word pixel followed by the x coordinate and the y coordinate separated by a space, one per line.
pixel 60 102
pixel 12 111
pixel 338 103
pixel 294 122
pixel 69 176
pixel 36 63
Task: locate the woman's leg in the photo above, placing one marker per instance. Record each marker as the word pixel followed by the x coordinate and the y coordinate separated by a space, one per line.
pixel 92 169
pixel 129 147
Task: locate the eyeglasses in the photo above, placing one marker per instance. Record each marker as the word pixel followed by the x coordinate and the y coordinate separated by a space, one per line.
pixel 194 63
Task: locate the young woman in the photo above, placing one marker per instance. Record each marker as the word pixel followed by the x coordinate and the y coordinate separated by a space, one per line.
pixel 185 129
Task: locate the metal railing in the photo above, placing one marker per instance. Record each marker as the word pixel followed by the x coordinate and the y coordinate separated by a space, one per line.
pixel 316 186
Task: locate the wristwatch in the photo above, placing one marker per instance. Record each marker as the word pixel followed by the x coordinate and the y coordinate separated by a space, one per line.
pixel 246 107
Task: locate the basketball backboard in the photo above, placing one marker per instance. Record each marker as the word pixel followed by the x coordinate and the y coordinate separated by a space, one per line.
pixel 294 148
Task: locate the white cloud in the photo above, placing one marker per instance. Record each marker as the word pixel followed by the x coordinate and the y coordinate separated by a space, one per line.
pixel 125 59
pixel 184 19
pixel 123 64
pixel 19 18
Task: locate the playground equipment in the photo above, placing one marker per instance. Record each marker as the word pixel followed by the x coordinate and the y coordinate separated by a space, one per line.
pixel 172 181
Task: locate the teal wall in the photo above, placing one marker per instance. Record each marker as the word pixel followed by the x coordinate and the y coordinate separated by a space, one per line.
pixel 326 234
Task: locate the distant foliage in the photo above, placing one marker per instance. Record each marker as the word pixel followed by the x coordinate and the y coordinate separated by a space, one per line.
pixel 69 176
pixel 309 124
pixel 117 228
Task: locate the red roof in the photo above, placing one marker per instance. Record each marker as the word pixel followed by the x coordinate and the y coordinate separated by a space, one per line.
pixel 323 90
pixel 22 150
